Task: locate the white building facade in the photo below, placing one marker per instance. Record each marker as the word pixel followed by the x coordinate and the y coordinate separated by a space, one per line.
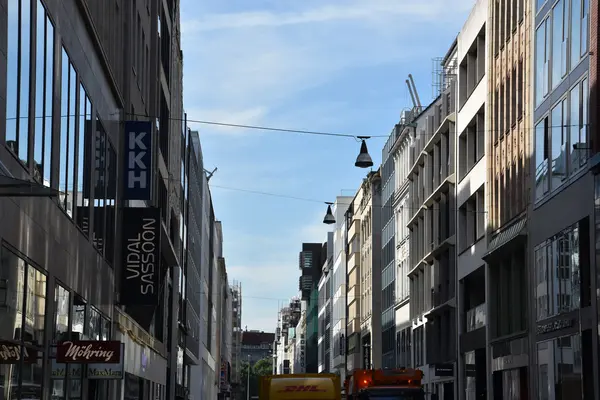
pixel 471 221
pixel 401 205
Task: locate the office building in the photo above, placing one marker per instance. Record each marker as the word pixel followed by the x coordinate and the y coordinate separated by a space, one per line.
pixel 471 173
pixel 432 235
pixel 324 342
pixel 310 264
pixel 285 336
pixel 509 56
pixel 560 224
pixel 256 346
pixel 76 72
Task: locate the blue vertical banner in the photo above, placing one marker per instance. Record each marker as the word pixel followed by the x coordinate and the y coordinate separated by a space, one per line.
pixel 137 161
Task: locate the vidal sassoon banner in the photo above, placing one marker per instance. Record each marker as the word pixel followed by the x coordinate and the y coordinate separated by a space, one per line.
pixel 140 272
pixel 137 162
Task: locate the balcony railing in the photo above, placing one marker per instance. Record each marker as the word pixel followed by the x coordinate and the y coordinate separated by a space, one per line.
pixel 476 318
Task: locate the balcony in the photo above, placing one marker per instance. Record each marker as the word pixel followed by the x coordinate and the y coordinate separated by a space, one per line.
pixel 476 318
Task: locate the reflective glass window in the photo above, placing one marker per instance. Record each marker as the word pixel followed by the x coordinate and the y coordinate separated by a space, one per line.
pixel 62 299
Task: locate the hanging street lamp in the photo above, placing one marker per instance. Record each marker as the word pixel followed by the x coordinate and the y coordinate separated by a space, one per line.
pixel 364 159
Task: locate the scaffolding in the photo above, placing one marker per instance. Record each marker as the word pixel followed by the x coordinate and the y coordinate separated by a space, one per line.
pixel 442 74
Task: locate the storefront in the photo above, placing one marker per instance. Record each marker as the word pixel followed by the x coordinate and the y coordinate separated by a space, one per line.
pixel 510 362
pixel 37 312
pixel 441 381
pixel 144 363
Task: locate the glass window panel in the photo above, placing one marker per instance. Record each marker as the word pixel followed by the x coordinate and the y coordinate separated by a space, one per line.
pixel 62 300
pixel 575 275
pixel 105 329
pixel 558 146
pixel 541 63
pixel 557 42
pixel 64 111
pixel 83 173
pixel 40 52
pixel 78 315
pixel 94 324
pixel 585 5
pixel 24 77
pixel 49 110
pixel 12 69
pixel 72 149
pixel 541 158
pixel 574 125
pixel 584 146
pixel 35 307
pixel 575 32
pixel 539 4
pixel 12 283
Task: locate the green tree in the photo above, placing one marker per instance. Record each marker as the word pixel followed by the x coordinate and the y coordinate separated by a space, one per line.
pixel 260 368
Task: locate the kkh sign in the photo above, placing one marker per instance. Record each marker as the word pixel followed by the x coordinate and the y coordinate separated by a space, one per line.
pixel 88 351
pixel 140 274
pixel 137 161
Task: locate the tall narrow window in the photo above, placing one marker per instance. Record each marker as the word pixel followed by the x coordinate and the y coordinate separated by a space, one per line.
pixel 17 88
pixel 12 70
pixel 558 146
pixel 542 60
pixel 84 165
pixel 24 77
pixel 576 11
pixel 541 158
pixel 48 106
pixel 559 44
pixel 40 60
pixel 72 149
pixel 64 129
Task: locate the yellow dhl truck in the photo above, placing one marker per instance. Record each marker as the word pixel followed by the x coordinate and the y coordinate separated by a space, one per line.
pixel 300 387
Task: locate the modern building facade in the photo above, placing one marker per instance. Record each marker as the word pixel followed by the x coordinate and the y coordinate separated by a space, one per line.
pixel 338 287
pixel 563 324
pixel 508 152
pixel 471 173
pixel 256 346
pixel 74 73
pixel 310 263
pixel 432 235
pixel 325 300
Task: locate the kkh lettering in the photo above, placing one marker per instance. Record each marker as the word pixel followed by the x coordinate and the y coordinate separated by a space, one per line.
pixel 140 259
pixel 136 152
pixel 88 352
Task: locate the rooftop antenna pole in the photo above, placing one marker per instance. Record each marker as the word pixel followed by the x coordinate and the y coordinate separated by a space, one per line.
pixel 415 89
pixel 412 96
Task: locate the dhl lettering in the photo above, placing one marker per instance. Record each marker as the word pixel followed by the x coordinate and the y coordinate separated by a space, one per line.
pixel 302 388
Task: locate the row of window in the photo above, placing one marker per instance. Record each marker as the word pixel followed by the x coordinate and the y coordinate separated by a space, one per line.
pixel 561 41
pixel 503 24
pixel 558 274
pixel 561 140
pixel 87 159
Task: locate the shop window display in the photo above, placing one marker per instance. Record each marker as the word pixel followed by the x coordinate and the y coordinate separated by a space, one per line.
pixel 23 300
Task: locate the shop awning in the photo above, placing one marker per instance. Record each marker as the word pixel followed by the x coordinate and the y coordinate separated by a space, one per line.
pixel 505 237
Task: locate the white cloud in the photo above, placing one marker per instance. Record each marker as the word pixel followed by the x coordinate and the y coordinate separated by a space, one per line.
pixel 368 10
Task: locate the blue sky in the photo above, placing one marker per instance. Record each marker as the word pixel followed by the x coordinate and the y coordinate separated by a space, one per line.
pixel 322 65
